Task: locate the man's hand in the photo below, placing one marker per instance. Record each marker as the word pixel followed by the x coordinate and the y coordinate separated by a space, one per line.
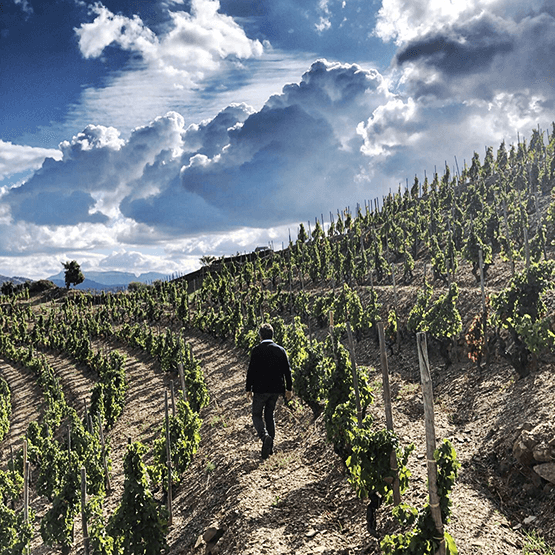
pixel 288 396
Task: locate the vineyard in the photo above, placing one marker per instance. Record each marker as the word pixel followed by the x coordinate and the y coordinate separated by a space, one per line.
pixel 125 428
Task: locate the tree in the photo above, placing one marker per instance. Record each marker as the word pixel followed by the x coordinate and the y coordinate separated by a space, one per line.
pixel 73 273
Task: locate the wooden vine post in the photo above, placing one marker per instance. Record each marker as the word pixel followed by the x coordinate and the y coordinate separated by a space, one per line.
pixel 484 309
pixel 388 412
pixel 86 417
pixel 508 236
pixel 169 458
pixel 526 247
pixel 188 304
pixel 25 485
pixel 181 372
pixel 104 460
pixel 290 266
pixel 182 379
pixel 301 269
pixel 13 471
pixel 481 262
pixel 398 333
pixel 332 337
pixel 172 392
pixel 428 396
pixel 354 372
pixel 302 290
pixel 362 251
pixel 83 510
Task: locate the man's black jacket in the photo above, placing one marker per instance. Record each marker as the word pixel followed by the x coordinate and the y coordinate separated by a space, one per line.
pixel 269 370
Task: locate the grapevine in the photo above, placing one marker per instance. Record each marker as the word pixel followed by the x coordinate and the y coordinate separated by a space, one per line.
pixel 137 505
pixel 422 538
pixel 5 408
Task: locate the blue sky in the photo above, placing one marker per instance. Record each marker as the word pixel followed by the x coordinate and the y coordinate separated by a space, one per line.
pixel 139 135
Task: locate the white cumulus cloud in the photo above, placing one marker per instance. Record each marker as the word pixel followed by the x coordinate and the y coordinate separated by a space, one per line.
pixel 405 20
pixel 180 65
pixel 107 28
pixel 195 44
pixel 96 171
pixel 390 125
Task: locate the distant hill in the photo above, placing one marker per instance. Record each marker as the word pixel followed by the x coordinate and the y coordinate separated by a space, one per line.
pixel 151 276
pixel 90 284
pixel 16 280
pixel 108 281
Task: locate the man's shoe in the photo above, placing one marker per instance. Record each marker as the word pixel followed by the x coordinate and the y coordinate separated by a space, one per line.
pixel 267 446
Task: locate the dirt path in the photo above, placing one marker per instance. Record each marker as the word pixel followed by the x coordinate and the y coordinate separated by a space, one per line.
pixel 27 405
pixel 77 380
pixel 295 502
pixel 143 414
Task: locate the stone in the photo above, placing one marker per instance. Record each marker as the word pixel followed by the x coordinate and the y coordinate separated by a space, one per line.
pixel 530 488
pixel 211 549
pixel 311 533
pixel 546 471
pixel 534 445
pixel 212 534
pixel 543 453
pixel 523 447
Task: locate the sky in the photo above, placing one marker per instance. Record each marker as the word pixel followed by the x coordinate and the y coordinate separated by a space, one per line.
pixel 141 135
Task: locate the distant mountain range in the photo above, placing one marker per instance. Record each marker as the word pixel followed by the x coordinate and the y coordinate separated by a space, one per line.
pixel 106 281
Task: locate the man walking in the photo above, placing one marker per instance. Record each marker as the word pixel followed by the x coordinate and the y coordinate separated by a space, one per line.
pixel 268 377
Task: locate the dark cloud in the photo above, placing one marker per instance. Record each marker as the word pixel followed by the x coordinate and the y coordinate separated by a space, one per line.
pixel 482 56
pixel 175 210
pixel 60 208
pixel 281 164
pixel 288 147
pixel 463 51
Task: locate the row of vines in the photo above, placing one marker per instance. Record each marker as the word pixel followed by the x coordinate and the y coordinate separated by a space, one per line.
pixel 63 446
